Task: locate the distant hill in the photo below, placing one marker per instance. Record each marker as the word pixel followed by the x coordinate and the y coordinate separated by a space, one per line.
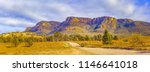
pixel 80 25
pixel 43 27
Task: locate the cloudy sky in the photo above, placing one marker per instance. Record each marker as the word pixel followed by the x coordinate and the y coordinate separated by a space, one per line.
pixel 16 15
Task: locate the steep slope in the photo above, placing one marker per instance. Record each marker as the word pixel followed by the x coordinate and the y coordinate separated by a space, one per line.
pixel 28 29
pixel 75 25
pixel 80 25
pixel 102 23
pixel 43 27
pixel 128 26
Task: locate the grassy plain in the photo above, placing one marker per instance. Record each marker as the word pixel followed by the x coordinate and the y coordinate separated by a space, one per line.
pixel 63 48
pixel 42 48
pixel 142 44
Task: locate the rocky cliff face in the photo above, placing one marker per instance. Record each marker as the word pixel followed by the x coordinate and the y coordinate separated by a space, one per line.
pixel 77 19
pixel 102 23
pixel 43 27
pixel 90 25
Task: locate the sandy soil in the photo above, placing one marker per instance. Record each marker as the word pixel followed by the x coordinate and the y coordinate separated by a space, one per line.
pixel 104 51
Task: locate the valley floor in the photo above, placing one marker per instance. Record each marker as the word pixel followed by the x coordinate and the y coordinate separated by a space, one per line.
pixel 63 48
pixel 104 51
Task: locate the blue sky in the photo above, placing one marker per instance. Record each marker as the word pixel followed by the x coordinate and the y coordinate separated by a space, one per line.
pixel 16 15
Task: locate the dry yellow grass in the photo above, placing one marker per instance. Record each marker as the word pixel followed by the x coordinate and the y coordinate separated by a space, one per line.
pixel 63 48
pixel 90 44
pixel 123 43
pixel 41 48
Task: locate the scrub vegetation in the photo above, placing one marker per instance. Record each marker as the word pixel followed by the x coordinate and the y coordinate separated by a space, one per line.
pixel 57 43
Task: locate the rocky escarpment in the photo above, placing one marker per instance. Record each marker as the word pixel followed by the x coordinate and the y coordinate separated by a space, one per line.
pixel 92 25
pixel 43 27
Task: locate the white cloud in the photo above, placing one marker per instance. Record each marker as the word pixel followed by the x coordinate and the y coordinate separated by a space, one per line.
pixel 119 7
pixel 34 15
pixel 129 9
pixel 62 8
pixel 112 2
pixel 47 10
pixel 142 13
pixel 59 10
pixel 27 8
pixel 15 22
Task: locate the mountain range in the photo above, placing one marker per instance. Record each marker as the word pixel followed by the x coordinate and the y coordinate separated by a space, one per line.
pixel 81 25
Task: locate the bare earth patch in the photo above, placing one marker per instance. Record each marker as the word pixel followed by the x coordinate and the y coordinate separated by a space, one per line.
pixel 104 51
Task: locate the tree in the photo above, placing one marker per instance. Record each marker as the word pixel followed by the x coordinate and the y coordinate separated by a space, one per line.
pixel 29 42
pixel 87 38
pixel 15 41
pixel 1 39
pixel 44 38
pixel 74 37
pixel 115 38
pixel 107 38
pixel 66 37
pixel 99 37
pixel 50 38
pixel 57 36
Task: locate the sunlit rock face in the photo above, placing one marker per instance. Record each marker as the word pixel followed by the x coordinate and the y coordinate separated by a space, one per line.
pixel 77 19
pixel 102 23
pixel 43 27
pixel 74 25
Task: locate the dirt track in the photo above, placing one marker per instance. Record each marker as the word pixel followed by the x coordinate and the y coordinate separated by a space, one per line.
pixel 104 51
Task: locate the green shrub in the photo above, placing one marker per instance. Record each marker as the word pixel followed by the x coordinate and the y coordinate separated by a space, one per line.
pixel 83 44
pixel 15 41
pixel 28 42
pixel 107 38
